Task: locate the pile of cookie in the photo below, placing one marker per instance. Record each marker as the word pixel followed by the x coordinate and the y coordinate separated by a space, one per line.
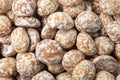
pixel 59 39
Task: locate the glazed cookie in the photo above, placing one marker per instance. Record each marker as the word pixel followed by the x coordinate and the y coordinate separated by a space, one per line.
pixel 105 62
pixel 86 44
pixel 113 31
pixel 5 6
pixel 20 40
pixel 24 7
pixel 84 70
pixel 71 59
pixel 5 26
pixel 56 68
pixel 28 65
pixel 60 20
pixel 48 32
pixel 64 76
pixel 110 7
pixel 105 20
pixel 101 75
pixel 104 45
pixel 7 67
pixel 46 7
pixel 49 51
pixel 74 11
pixel 66 38
pixel 88 21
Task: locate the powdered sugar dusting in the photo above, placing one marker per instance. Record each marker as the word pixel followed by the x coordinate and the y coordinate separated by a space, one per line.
pixel 46 7
pixel 66 38
pixel 60 20
pixel 113 31
pixel 88 21
pixel 86 44
pixel 49 51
